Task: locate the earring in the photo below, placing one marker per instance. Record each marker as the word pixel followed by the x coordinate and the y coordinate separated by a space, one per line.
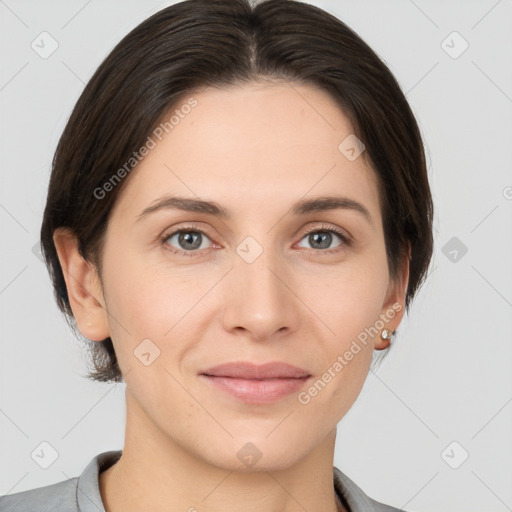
pixel 387 334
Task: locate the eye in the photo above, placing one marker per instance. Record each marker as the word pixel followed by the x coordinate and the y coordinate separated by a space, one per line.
pixel 189 240
pixel 321 238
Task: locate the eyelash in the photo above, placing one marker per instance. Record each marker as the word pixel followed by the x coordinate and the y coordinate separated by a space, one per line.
pixel 346 241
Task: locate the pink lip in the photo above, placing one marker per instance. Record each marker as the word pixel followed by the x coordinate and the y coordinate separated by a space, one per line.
pixel 255 384
pixel 246 370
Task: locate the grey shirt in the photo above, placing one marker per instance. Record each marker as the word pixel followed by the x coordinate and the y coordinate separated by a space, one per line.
pixel 82 494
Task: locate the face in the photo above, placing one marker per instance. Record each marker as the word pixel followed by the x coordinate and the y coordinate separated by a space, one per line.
pixel 184 291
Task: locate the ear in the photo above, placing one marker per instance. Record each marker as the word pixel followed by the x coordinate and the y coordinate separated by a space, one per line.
pixel 83 285
pixel 393 308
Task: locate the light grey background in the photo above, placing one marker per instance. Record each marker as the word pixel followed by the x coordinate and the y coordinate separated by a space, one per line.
pixel 448 376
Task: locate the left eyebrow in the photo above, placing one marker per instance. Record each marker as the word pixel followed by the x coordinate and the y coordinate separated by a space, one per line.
pixel 302 207
pixel 321 204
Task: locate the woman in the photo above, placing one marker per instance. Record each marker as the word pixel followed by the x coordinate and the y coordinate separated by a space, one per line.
pixel 238 216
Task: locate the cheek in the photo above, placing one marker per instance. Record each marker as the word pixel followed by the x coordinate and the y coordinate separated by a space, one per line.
pixel 158 303
pixel 350 303
pixel 351 296
pixel 140 306
pixel 150 306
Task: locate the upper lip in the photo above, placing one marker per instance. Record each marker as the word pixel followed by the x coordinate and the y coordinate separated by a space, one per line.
pixel 246 370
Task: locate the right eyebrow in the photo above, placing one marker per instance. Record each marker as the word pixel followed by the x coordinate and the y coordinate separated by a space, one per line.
pixel 186 204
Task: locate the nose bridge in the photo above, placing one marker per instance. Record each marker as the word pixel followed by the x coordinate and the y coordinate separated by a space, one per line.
pixel 258 299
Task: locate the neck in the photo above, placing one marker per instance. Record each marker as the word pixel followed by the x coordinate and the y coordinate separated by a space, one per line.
pixel 157 473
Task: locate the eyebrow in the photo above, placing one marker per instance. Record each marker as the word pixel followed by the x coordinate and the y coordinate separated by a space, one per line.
pixel 302 207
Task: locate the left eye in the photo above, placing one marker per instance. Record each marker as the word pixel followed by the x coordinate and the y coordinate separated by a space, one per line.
pixel 323 238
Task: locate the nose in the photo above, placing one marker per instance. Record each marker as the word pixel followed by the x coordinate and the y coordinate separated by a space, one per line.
pixel 259 299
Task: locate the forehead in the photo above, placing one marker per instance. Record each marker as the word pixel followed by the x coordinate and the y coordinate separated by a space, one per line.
pixel 248 144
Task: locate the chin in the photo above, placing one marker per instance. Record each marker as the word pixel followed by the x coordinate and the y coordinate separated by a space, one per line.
pixel 253 454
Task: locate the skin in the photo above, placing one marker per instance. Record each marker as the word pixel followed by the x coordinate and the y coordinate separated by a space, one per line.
pixel 255 149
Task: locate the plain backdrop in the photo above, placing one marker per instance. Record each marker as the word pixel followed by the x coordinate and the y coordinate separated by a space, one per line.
pixel 431 430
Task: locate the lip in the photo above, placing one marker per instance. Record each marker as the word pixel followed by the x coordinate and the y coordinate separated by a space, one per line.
pixel 256 384
pixel 247 370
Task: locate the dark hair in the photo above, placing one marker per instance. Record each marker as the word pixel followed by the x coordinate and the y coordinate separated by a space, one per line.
pixel 199 43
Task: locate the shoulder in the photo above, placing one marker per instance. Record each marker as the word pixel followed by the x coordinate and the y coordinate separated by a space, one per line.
pixel 59 497
pixel 78 494
pixel 355 498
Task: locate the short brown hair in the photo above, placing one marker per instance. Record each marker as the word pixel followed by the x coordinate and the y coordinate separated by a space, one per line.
pixel 198 43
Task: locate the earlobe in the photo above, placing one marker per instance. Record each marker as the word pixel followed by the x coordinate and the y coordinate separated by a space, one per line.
pixel 83 286
pixel 393 309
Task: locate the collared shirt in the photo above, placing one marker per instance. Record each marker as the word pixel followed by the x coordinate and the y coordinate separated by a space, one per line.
pixel 82 494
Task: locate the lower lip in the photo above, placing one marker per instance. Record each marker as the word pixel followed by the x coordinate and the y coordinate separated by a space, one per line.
pixel 257 391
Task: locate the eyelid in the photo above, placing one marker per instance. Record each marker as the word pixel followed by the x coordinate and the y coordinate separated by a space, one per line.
pixel 343 233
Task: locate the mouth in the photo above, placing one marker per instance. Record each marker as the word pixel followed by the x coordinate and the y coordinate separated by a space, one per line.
pixel 251 371
pixel 253 384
